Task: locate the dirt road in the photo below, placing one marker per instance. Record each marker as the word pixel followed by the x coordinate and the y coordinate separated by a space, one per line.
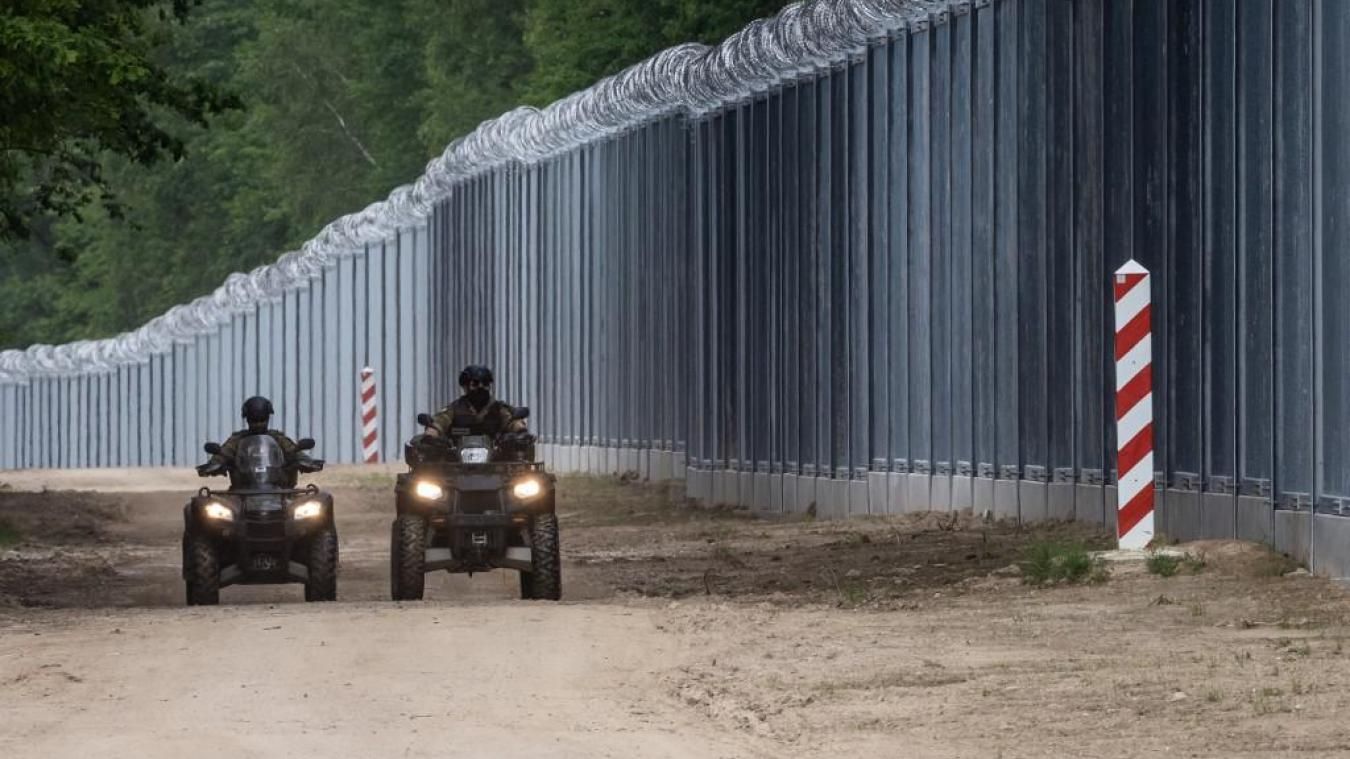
pixel 683 634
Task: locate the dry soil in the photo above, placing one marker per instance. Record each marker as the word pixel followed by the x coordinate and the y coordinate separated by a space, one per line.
pixel 683 633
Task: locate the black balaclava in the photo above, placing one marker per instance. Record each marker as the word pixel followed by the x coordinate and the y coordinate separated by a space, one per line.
pixel 479 397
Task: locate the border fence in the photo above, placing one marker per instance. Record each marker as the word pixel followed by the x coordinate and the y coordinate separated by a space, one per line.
pixel 854 259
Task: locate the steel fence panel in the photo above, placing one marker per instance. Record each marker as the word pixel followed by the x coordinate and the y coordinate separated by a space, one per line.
pixel 962 294
pixel 10 436
pixel 390 355
pixel 870 278
pixel 856 280
pixel 406 374
pixel 355 283
pixel 1006 143
pixel 1256 247
pixel 1094 388
pixel 1293 254
pixel 941 268
pixel 919 263
pixel 1032 269
pixel 1064 361
pixel 1184 270
pixel 227 413
pixel 1334 409
pixel 1220 246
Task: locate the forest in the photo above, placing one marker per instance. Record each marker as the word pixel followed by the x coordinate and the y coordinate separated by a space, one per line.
pixel 150 148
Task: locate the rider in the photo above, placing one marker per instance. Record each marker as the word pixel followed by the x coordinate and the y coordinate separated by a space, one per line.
pixel 256 412
pixel 476 407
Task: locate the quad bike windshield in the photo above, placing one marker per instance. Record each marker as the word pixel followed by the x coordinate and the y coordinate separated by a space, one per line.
pixel 475 449
pixel 259 464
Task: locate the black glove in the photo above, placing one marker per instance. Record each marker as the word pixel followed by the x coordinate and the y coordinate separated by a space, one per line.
pixel 210 469
pixel 516 440
pixel 307 465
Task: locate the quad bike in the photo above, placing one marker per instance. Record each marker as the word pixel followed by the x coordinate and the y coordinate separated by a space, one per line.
pixel 474 502
pixel 262 530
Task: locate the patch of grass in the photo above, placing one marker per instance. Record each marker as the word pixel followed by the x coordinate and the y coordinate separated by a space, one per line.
pixel 1099 573
pixel 9 534
pixel 1050 563
pixel 853 594
pixel 1167 565
pixel 1163 565
pixel 1213 696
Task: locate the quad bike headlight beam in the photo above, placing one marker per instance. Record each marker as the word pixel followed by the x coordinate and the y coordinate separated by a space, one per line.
pixel 308 510
pixel 526 489
pixel 429 490
pixel 219 511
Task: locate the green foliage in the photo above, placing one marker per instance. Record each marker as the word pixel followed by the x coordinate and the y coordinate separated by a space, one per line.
pixel 1167 565
pixel 9 534
pixel 1049 563
pixel 475 61
pixel 575 42
pixel 341 101
pixel 78 81
pixel 1163 565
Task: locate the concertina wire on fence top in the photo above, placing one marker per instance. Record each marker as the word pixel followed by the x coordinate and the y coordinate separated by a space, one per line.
pixel 691 78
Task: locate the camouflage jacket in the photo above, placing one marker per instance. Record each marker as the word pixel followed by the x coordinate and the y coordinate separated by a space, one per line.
pixel 492 419
pixel 230 447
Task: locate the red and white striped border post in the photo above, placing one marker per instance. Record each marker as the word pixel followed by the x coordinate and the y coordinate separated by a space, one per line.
pixel 1134 405
pixel 369 418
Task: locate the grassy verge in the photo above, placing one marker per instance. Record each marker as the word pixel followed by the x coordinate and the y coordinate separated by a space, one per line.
pixel 9 534
pixel 1166 565
pixel 1053 563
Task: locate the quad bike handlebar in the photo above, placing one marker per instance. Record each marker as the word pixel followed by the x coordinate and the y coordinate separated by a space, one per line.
pixel 301 462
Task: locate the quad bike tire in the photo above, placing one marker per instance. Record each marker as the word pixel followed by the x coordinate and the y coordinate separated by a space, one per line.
pixel 544 581
pixel 408 558
pixel 321 584
pixel 201 571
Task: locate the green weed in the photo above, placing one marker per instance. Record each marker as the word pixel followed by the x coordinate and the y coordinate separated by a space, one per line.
pixel 1049 563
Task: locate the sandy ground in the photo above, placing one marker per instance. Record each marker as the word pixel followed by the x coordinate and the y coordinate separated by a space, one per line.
pixel 683 633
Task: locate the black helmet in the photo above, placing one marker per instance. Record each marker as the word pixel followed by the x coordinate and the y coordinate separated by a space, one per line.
pixel 480 374
pixel 257 410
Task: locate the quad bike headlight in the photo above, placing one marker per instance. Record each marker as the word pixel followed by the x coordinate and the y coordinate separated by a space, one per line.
pixel 429 490
pixel 527 488
pixel 219 511
pixel 308 510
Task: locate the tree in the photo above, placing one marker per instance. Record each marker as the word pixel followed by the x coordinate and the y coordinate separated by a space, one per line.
pixel 342 100
pixel 576 42
pixel 77 81
pixel 710 22
pixel 475 60
pixel 332 90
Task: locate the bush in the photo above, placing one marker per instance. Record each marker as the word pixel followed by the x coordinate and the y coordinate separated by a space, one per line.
pixel 1162 564
pixel 1166 565
pixel 1049 563
pixel 9 534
